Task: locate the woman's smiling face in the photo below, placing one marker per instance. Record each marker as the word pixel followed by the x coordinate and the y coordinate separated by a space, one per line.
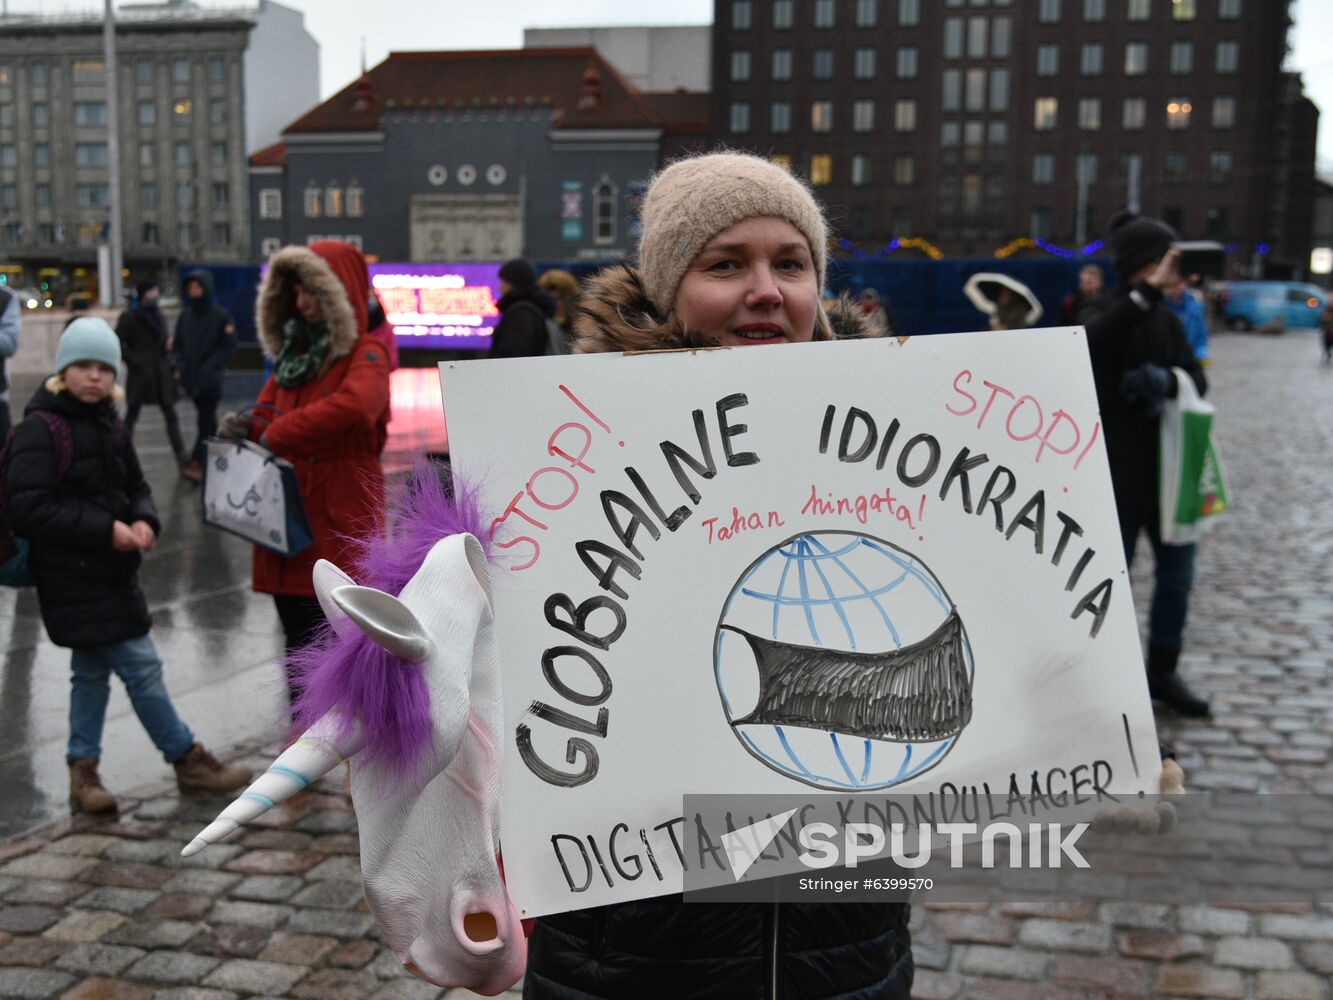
pixel 754 283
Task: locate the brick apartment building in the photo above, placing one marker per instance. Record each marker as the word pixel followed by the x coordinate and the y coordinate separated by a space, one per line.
pixel 974 123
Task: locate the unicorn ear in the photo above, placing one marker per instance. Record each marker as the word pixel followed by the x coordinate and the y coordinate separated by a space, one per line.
pixel 387 621
pixel 327 578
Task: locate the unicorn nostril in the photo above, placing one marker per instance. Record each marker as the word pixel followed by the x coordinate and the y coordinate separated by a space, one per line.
pixel 480 927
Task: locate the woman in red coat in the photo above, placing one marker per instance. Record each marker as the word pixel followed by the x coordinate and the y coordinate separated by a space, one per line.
pixel 330 393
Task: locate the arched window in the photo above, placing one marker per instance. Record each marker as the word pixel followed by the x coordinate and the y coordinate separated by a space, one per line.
pixel 313 200
pixel 604 211
pixel 333 200
pixel 356 200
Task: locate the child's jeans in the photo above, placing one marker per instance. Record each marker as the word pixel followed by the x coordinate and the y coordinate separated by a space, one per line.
pixel 136 663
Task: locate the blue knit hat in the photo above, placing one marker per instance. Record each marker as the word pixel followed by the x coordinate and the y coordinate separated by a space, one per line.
pixel 88 338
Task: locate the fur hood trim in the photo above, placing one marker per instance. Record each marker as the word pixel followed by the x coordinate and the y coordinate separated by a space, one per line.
pixel 55 385
pixel 274 304
pixel 614 314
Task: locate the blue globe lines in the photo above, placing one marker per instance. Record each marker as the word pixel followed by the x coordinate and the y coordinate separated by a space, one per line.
pixel 842 663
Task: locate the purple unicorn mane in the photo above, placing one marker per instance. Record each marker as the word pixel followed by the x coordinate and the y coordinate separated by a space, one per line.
pixel 352 676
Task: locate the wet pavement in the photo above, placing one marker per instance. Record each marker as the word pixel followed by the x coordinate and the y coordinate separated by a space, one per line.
pixel 93 908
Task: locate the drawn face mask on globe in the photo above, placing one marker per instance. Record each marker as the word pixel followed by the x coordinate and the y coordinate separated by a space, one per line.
pixel 842 663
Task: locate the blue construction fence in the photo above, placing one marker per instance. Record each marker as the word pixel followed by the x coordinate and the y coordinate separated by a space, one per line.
pixel 923 296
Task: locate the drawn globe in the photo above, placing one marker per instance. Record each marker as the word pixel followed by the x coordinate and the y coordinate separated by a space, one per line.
pixel 842 663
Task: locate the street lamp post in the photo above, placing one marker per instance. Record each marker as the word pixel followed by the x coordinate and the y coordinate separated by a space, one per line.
pixel 111 289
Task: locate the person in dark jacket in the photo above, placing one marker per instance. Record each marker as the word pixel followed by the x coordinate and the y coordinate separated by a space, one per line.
pixel 524 310
pixel 77 493
pixel 204 342
pixel 147 349
pixel 1090 298
pixel 1134 342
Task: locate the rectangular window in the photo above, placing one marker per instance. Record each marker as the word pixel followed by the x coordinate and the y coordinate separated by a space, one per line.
pixel 1090 59
pixel 863 64
pixel 821 169
pixel 9 198
pixel 1182 58
pixel 974 134
pixel 974 90
pixel 867 13
pixel 740 65
pixel 1136 58
pixel 1045 111
pixel 953 38
pixel 863 116
pixel 185 195
pixel 147 113
pixel 1175 168
pixel 1228 10
pixel 41 115
pixel 779 117
pixel 1224 112
pixel 782 64
pixel 42 195
pixel 1094 10
pixel 7 116
pixel 89 112
pixel 1178 113
pixel 217 69
pixel 143 72
pixel 1134 113
pixel 9 156
pixel 41 155
pixel 1139 10
pixel 221 194
pixel 269 246
pixel 1085 169
pixel 907 63
pixel 148 196
pixel 221 234
pixel 909 13
pixel 1090 113
pixel 904 115
pixel 1228 57
pixel 782 14
pixel 89 71
pixel 37 74
pixel 823 64
pixel 147 154
pixel 1043 168
pixel 184 154
pixel 904 170
pixel 151 235
pixel 91 195
pixel 821 116
pixel 999 90
pixel 181 111
pixel 972 195
pixel 180 71
pixel 861 169
pixel 1001 37
pixel 1219 167
pixel 217 112
pixel 90 154
pixel 824 13
pixel 1048 11
pixel 270 203
pixel 1039 223
pixel 951 90
pixel 1048 60
pixel 217 153
pixel 951 134
pixel 977 32
pixel 1182 10
pixel 740 117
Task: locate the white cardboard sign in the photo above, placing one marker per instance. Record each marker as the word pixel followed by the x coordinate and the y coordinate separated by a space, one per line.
pixel 860 567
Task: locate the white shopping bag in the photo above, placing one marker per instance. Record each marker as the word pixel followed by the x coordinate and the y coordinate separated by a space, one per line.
pixel 251 492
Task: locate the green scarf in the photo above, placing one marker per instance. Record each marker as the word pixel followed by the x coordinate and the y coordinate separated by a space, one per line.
pixel 304 348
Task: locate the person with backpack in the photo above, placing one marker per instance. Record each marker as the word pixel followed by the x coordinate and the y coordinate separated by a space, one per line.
pixel 147 350
pixel 75 491
pixel 525 308
pixel 9 345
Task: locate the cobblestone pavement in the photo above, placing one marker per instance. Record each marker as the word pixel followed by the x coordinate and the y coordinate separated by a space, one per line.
pixel 96 909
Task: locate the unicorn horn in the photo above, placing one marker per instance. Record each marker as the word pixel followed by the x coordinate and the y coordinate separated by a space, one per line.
pixel 313 755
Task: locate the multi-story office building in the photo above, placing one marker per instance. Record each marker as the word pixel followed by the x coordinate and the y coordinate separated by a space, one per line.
pixel 181 94
pixel 975 123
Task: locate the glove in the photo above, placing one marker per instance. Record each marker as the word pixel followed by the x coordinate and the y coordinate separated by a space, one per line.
pixel 234 427
pixel 1147 387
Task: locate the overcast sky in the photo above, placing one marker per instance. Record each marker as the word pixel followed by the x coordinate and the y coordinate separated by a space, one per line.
pixel 340 25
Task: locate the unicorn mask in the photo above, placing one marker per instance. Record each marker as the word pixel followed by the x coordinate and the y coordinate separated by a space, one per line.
pixel 423 663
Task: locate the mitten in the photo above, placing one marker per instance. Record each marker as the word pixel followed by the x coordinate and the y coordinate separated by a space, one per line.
pixel 1147 387
pixel 234 427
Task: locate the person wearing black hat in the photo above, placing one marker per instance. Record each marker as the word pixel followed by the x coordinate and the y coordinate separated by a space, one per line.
pixel 146 347
pixel 1134 342
pixel 524 309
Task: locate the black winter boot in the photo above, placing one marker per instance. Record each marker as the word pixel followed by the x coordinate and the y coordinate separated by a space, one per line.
pixel 1165 685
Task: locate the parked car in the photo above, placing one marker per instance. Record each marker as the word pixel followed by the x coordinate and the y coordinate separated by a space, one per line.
pixel 1250 305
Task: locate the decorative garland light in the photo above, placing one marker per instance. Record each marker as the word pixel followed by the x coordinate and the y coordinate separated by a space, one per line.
pixel 1013 246
pixel 902 242
pixel 1029 243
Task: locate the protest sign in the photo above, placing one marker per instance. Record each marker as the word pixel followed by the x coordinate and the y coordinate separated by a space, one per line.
pixel 853 567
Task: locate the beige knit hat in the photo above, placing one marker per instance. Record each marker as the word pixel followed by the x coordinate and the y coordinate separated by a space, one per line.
pixel 696 198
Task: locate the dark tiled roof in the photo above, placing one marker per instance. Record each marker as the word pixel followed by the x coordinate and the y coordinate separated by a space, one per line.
pixel 559 79
pixel 270 156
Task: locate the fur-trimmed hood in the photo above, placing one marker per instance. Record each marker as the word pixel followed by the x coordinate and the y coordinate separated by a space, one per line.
pixel 614 314
pixel 335 273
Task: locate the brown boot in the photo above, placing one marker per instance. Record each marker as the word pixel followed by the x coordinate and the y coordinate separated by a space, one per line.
pixel 86 791
pixel 194 472
pixel 200 771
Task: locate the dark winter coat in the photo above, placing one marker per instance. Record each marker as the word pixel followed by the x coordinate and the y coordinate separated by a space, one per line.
pixel 143 344
pixel 205 340
pixel 664 947
pixel 89 593
pixel 332 428
pixel 1122 337
pixel 521 332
